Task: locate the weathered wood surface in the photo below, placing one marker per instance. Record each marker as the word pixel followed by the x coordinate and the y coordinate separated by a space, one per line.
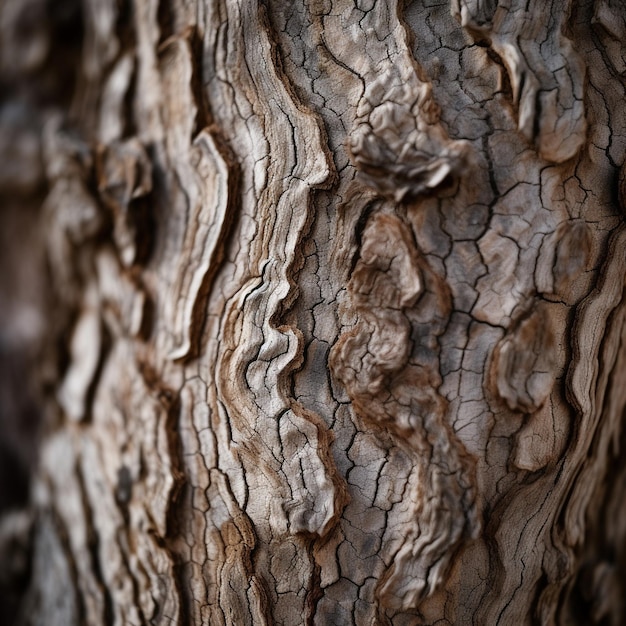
pixel 344 290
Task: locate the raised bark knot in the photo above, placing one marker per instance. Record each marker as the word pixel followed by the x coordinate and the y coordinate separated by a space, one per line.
pixel 524 362
pixel 476 16
pixel 124 177
pixel 397 144
pixel 69 169
pixel 564 256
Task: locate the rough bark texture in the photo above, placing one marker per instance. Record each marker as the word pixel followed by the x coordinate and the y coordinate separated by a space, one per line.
pixel 340 305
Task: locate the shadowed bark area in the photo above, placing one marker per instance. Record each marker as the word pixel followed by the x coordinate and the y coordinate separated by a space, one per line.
pixel 39 41
pixel 339 294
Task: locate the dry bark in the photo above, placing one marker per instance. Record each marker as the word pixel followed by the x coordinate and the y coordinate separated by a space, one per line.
pixel 342 286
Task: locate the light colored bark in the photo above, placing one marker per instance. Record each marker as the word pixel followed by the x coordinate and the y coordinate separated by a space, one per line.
pixel 344 288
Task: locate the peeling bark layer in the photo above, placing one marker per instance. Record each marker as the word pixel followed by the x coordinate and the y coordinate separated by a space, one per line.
pixel 342 290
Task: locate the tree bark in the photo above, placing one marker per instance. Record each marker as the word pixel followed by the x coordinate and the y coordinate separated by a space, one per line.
pixel 339 317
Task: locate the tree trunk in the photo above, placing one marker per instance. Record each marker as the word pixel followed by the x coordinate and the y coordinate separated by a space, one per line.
pixel 339 332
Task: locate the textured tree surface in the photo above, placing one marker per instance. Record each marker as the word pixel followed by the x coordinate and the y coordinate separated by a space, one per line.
pixel 338 322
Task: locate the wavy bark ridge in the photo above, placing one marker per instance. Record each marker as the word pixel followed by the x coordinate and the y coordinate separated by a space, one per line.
pixel 261 350
pixel 205 175
pixel 547 75
pixel 388 363
pixel 609 20
pixel 398 300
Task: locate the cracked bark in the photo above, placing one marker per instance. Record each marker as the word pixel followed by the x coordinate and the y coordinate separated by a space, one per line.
pixel 341 290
